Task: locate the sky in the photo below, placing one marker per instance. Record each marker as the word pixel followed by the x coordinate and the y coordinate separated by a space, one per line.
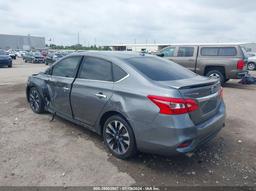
pixel 106 22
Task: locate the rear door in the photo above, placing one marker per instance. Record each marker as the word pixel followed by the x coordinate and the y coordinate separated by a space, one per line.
pixel 186 56
pixel 92 89
pixel 60 82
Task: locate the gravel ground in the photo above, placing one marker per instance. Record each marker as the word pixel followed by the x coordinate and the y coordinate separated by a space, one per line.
pixel 35 151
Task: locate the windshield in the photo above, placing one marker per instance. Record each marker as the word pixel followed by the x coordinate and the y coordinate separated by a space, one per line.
pixel 158 69
pixel 37 54
pixel 2 52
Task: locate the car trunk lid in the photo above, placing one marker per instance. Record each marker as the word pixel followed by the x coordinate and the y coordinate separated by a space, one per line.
pixel 206 92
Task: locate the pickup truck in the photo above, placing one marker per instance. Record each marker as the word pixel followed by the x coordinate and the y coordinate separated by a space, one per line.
pixel 222 61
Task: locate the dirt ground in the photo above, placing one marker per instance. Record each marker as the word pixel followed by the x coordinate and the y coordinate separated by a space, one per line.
pixel 35 151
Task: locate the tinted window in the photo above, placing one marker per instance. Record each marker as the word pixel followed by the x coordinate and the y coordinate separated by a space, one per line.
pixel 168 52
pixel 186 52
pixel 218 51
pixel 118 73
pixel 159 69
pixel 209 51
pixel 96 69
pixel 227 51
pixel 66 67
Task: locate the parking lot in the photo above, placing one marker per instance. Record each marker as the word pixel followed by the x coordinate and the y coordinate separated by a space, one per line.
pixel 35 151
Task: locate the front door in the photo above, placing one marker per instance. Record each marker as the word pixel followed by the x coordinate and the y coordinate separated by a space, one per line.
pixel 91 90
pixel 60 83
pixel 186 56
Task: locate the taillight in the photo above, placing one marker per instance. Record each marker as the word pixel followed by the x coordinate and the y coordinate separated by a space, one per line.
pixel 240 64
pixel 185 144
pixel 174 106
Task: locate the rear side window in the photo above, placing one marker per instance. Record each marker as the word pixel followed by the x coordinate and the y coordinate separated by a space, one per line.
pixel 66 67
pixel 209 51
pixel 159 69
pixel 96 69
pixel 186 52
pixel 118 73
pixel 227 51
pixel 218 51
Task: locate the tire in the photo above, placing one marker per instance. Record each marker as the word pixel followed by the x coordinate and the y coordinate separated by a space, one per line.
pixel 251 66
pixel 25 61
pixel 217 74
pixel 119 137
pixel 36 101
pixel 10 66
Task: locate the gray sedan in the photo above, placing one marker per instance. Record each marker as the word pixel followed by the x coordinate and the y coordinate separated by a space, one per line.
pixel 137 102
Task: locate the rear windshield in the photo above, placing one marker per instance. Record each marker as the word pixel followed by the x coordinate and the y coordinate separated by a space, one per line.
pixel 158 69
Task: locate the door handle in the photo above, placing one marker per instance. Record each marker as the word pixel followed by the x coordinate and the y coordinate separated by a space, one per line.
pixel 101 95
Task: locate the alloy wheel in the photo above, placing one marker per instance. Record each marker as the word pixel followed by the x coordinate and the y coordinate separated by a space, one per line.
pixel 117 137
pixel 251 66
pixel 214 75
pixel 34 100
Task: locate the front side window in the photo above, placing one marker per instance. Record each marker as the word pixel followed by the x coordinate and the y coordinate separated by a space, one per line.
pixel 96 69
pixel 66 67
pixel 186 52
pixel 168 52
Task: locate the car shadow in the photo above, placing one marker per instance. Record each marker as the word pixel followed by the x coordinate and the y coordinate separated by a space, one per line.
pixel 237 85
pixel 209 160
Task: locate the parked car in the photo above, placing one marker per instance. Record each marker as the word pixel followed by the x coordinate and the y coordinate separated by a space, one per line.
pixel 38 58
pixel 251 63
pixel 28 57
pixel 250 54
pixel 222 61
pixel 12 54
pixel 135 101
pixel 5 59
pixel 51 58
pixel 33 57
pixel 20 53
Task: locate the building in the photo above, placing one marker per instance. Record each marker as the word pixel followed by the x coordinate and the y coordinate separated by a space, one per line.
pixel 138 47
pixel 249 47
pixel 21 42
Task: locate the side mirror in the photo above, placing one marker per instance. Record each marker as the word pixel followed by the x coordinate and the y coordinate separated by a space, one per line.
pixel 160 54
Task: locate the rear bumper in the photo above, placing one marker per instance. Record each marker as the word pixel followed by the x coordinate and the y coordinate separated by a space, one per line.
pixel 166 132
pixel 241 74
pixel 236 74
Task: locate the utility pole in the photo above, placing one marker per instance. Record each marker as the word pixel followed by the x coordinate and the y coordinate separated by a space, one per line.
pixel 78 40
